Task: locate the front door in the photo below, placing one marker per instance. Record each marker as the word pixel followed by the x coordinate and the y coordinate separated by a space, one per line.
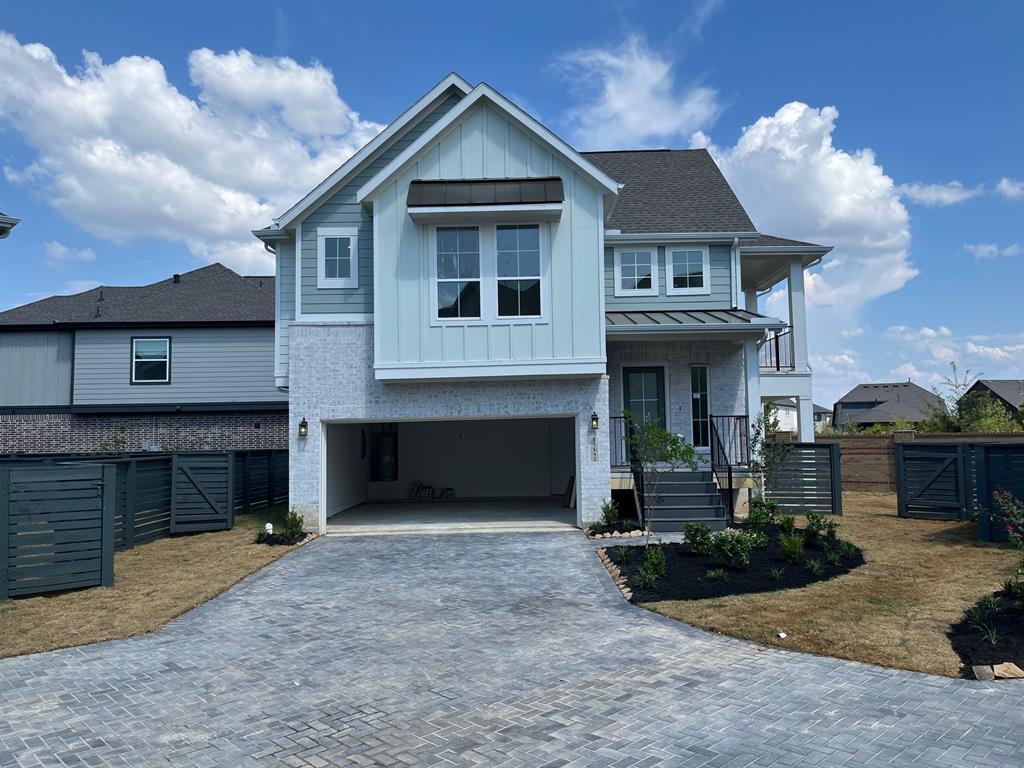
pixel 643 394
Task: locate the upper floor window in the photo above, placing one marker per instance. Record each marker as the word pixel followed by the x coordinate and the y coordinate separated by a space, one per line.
pixel 458 272
pixel 688 270
pixel 636 272
pixel 151 361
pixel 518 271
pixel 337 257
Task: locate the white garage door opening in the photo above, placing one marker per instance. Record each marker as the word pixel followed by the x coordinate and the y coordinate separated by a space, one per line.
pixel 450 475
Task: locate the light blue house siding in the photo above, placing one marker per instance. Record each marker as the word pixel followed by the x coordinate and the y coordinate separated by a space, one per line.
pixel 285 302
pixel 208 365
pixel 720 258
pixel 35 368
pixel 341 210
pixel 485 143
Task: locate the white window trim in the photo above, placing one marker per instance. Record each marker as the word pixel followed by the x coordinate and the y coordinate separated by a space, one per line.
pixel 167 345
pixel 488 277
pixel 655 269
pixel 322 281
pixel 670 289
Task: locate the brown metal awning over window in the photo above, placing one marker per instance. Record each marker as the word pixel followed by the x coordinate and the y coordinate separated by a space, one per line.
pixel 464 192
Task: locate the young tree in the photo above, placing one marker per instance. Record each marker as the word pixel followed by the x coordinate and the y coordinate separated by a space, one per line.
pixel 966 411
pixel 765 454
pixel 658 452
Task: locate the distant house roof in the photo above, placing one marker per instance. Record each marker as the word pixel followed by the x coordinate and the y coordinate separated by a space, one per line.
pixel 671 190
pixel 821 409
pixel 884 403
pixel 1010 391
pixel 213 295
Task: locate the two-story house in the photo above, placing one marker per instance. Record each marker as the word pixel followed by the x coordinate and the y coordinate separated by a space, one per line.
pixel 185 362
pixel 470 303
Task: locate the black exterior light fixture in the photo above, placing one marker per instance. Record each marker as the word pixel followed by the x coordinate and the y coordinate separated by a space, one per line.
pixel 593 420
pixel 303 428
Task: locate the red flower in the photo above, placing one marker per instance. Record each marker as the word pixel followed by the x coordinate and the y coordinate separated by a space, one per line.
pixel 1009 528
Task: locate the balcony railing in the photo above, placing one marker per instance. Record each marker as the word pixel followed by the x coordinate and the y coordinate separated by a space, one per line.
pixel 776 352
pixel 619 441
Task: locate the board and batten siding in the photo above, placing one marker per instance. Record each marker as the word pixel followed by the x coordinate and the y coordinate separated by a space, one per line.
pixel 720 259
pixel 35 368
pixel 342 210
pixel 285 302
pixel 485 143
pixel 208 365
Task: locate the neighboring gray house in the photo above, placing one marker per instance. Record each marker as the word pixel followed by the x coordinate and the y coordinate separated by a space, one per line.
pixel 186 362
pixel 822 417
pixel 7 223
pixel 1009 393
pixel 471 303
pixel 869 404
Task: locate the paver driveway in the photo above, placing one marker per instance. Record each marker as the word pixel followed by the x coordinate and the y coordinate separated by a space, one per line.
pixel 480 649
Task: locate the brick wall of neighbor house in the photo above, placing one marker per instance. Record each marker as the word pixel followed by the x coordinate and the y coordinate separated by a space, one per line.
pixel 331 378
pixel 86 433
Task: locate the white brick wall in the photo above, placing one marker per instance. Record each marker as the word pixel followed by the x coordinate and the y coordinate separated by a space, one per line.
pixel 331 379
pixel 724 360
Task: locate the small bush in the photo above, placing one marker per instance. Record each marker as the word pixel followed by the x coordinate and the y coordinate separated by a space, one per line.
pixel 819 530
pixel 847 550
pixel 787 525
pixel 763 514
pixel 732 548
pixel 718 574
pixel 645 577
pixel 776 574
pixel 624 554
pixel 654 560
pixel 758 539
pixel 293 524
pixel 814 566
pixel 834 558
pixel 610 512
pixel 792 547
pixel 699 537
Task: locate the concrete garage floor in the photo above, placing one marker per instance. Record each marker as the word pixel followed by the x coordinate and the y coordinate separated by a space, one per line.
pixel 382 518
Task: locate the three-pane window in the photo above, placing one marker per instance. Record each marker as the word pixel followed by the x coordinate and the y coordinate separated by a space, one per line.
pixel 518 271
pixel 458 272
pixel 151 361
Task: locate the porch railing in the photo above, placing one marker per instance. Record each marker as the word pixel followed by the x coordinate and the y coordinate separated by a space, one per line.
pixel 776 352
pixel 622 458
pixel 730 450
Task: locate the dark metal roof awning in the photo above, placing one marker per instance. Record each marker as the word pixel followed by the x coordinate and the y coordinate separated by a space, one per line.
pixel 689 321
pixel 479 199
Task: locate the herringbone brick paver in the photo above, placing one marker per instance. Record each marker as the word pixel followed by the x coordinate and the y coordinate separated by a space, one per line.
pixel 475 650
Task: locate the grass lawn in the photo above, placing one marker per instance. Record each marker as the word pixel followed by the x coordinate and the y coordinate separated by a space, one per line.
pixel 153 584
pixel 895 610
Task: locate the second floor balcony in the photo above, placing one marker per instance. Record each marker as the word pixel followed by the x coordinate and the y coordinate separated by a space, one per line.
pixel 775 353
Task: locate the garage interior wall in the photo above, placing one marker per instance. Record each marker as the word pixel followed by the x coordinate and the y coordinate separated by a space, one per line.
pixel 348 467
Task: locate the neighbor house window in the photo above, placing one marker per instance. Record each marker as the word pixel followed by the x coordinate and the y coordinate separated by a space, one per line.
pixel 688 271
pixel 337 257
pixel 518 271
pixel 458 272
pixel 636 272
pixel 151 361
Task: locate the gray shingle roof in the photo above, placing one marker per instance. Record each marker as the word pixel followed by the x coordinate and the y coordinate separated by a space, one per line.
pixel 671 190
pixel 773 241
pixel 213 295
pixel 1010 390
pixel 889 401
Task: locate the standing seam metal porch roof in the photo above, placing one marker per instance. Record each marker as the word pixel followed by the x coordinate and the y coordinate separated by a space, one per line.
pixel 689 319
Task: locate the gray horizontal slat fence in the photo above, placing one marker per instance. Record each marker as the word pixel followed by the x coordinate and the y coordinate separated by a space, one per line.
pixel 997 468
pixel 56 527
pixel 807 479
pixel 932 481
pixel 261 479
pixel 202 492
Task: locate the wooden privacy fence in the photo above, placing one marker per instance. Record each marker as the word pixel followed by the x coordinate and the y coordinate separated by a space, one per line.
pixel 957 482
pixel 56 527
pixel 261 479
pixel 807 479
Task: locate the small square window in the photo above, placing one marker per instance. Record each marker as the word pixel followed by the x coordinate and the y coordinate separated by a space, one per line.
pixel 337 257
pixel 688 271
pixel 636 273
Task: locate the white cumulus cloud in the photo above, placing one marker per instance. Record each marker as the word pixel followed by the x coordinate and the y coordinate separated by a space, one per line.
pixel 991 250
pixel 939 194
pixel 58 254
pixel 125 154
pixel 638 102
pixel 1011 189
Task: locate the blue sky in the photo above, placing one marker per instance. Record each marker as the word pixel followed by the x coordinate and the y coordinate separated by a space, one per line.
pixel 892 131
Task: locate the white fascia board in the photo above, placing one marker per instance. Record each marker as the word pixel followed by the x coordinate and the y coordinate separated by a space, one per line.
pixel 489 371
pixel 352 164
pixel 465 213
pixel 482 91
pixel 785 250
pixel 617 236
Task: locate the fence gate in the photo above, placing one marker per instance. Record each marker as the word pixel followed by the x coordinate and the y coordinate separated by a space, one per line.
pixel 202 492
pixel 931 481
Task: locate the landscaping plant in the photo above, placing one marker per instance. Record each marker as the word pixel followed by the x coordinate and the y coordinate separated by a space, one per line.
pixel 847 549
pixel 654 560
pixel 718 574
pixel 699 537
pixel 787 525
pixel 765 455
pixel 792 547
pixel 610 513
pixel 659 453
pixel 763 514
pixel 819 529
pixel 814 565
pixel 624 554
pixel 776 574
pixel 732 548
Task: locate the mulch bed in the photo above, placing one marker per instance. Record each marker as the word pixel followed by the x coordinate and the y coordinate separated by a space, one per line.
pixel 280 540
pixel 686 573
pixel 622 526
pixel 974 650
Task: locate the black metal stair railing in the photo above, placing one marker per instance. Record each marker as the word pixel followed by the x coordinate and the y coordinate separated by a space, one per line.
pixel 730 450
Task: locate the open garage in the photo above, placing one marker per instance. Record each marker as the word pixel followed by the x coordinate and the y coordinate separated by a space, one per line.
pixel 468 473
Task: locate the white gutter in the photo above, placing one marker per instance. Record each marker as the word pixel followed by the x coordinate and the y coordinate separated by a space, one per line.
pixel 617 236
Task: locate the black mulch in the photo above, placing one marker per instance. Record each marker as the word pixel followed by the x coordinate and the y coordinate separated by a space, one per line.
pixel 686 574
pixel 974 650
pixel 279 539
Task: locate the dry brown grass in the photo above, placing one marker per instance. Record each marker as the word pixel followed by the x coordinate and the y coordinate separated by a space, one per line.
pixel 153 584
pixel 895 610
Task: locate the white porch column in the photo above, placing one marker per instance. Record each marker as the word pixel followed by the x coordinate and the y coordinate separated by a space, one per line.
pixel 750 300
pixel 753 375
pixel 805 420
pixel 798 316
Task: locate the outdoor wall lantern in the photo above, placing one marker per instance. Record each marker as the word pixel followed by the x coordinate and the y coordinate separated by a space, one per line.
pixel 303 428
pixel 593 420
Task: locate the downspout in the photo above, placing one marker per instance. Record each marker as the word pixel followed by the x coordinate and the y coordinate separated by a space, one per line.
pixel 736 283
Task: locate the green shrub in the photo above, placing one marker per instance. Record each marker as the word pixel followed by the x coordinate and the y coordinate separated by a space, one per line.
pixel 698 536
pixel 1014 588
pixel 732 548
pixel 758 539
pixel 787 525
pixel 775 574
pixel 293 525
pixel 834 558
pixel 654 560
pixel 792 547
pixel 990 634
pixel 978 614
pixel 610 512
pixel 763 514
pixel 645 577
pixel 819 530
pixel 718 574
pixel 623 554
pixel 814 566
pixel 847 550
